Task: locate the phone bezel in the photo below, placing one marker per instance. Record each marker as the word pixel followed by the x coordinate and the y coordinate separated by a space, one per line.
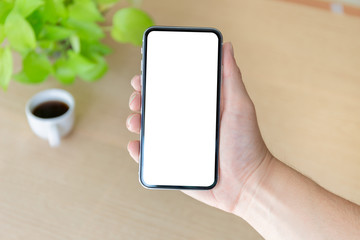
pixel 143 97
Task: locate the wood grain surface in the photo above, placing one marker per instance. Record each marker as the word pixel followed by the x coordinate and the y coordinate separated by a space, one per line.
pixel 301 67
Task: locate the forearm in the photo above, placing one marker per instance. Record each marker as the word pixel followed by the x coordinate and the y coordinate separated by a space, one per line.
pixel 280 203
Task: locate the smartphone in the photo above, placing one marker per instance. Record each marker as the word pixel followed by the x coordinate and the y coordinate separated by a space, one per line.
pixel 181 80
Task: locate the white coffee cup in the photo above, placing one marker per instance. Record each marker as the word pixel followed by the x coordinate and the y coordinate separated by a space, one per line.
pixel 52 129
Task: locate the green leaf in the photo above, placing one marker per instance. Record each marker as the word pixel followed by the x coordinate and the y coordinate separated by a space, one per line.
pixel 85 30
pixel 79 63
pixel 64 72
pixel 26 7
pixel 2 33
pixel 54 11
pixel 75 43
pixel 19 33
pixel 47 45
pixel 6 67
pixel 85 10
pixel 5 8
pixel 97 71
pixel 36 67
pixel 55 33
pixel 36 20
pixel 22 78
pixel 88 48
pixel 89 69
pixel 129 25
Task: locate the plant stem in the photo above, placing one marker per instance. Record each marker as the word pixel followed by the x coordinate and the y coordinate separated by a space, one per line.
pixel 106 28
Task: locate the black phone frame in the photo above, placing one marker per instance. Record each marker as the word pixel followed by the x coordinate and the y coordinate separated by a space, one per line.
pixel 143 97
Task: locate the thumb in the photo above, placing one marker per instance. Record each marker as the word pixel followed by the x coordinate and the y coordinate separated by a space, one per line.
pixel 234 91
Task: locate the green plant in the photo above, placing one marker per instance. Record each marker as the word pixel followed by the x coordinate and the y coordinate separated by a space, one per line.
pixel 62 38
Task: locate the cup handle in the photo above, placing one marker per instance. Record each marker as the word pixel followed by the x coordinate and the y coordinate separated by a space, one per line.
pixel 53 135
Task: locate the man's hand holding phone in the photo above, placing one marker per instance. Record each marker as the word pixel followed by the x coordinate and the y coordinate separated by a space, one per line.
pixel 243 156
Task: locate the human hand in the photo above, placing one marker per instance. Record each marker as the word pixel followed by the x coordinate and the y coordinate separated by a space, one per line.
pixel 242 149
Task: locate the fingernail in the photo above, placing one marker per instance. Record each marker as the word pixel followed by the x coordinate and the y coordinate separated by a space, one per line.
pixel 129 120
pixel 132 81
pixel 132 98
pixel 231 49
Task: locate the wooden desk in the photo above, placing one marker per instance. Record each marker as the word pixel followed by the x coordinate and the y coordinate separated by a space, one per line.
pixel 301 67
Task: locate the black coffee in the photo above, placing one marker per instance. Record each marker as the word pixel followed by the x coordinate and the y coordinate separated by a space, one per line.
pixel 50 109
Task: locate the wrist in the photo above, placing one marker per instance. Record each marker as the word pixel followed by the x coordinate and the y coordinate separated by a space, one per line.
pixel 254 186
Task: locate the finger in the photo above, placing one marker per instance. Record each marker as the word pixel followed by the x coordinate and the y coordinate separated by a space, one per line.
pixel 133 122
pixel 135 101
pixel 233 85
pixel 136 83
pixel 134 149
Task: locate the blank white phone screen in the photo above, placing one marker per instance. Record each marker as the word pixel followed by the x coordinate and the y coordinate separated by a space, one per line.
pixel 180 108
